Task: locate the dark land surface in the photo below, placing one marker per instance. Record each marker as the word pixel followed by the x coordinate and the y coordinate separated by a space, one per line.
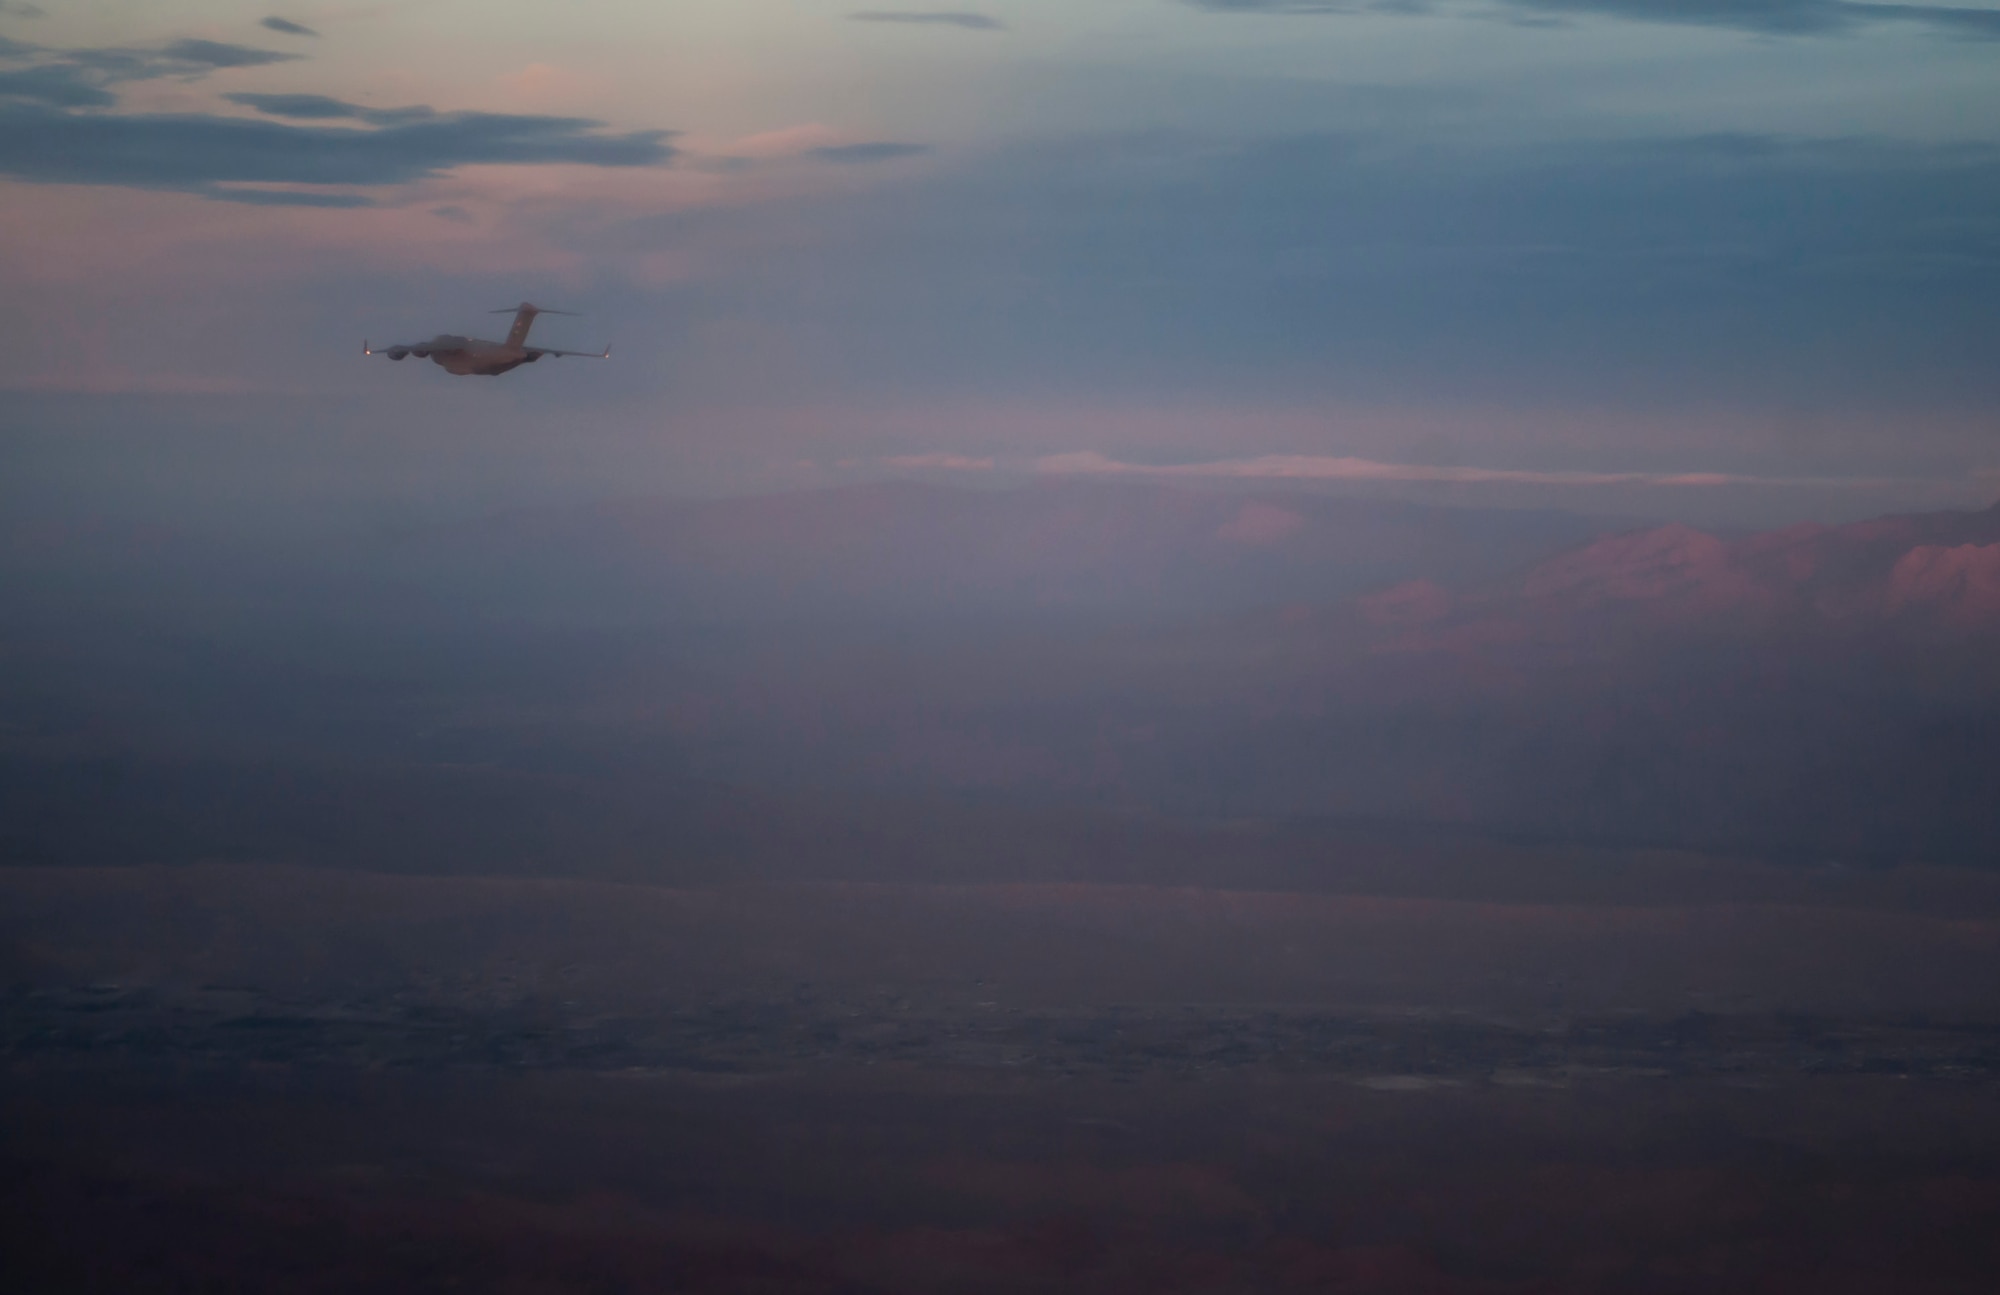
pixel 252 1077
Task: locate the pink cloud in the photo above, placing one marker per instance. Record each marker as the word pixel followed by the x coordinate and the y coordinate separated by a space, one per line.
pixel 787 142
pixel 1963 581
pixel 939 462
pixel 1318 467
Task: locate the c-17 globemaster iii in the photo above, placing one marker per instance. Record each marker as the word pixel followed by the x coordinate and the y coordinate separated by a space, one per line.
pixel 468 355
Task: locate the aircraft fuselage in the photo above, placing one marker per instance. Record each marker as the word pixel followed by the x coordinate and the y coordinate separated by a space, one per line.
pixel 467 355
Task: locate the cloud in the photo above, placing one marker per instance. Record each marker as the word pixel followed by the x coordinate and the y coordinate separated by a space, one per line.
pixel 21 9
pixel 1779 17
pixel 215 53
pixel 1316 467
pixel 57 85
pixel 967 21
pixel 938 463
pixel 309 107
pixel 1764 17
pixel 82 78
pixel 320 107
pixel 880 151
pixel 205 154
pixel 45 138
pixel 288 27
pixel 789 141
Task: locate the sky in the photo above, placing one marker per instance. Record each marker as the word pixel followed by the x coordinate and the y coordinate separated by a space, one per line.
pixel 1738 259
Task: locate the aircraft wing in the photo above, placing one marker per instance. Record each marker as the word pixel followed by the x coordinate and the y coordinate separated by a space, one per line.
pixel 539 351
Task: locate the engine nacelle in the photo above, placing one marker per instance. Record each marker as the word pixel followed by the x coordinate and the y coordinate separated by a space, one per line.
pixel 396 352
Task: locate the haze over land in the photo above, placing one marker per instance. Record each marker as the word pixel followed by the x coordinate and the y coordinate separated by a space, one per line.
pixel 1813 693
pixel 904 884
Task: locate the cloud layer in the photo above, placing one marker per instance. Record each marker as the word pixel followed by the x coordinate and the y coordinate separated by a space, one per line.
pixel 1320 467
pixel 51 131
pixel 201 154
pixel 83 78
pixel 1765 17
pixel 1781 17
pixel 320 107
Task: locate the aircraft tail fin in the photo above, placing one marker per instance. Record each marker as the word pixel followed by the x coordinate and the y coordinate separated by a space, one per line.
pixel 524 319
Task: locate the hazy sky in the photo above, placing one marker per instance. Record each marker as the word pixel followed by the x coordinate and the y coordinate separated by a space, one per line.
pixel 1579 241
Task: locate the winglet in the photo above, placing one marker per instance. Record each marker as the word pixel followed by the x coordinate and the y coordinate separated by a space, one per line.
pixel 364 347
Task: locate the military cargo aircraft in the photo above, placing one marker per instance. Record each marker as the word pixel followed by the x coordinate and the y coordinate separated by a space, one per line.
pixel 470 355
